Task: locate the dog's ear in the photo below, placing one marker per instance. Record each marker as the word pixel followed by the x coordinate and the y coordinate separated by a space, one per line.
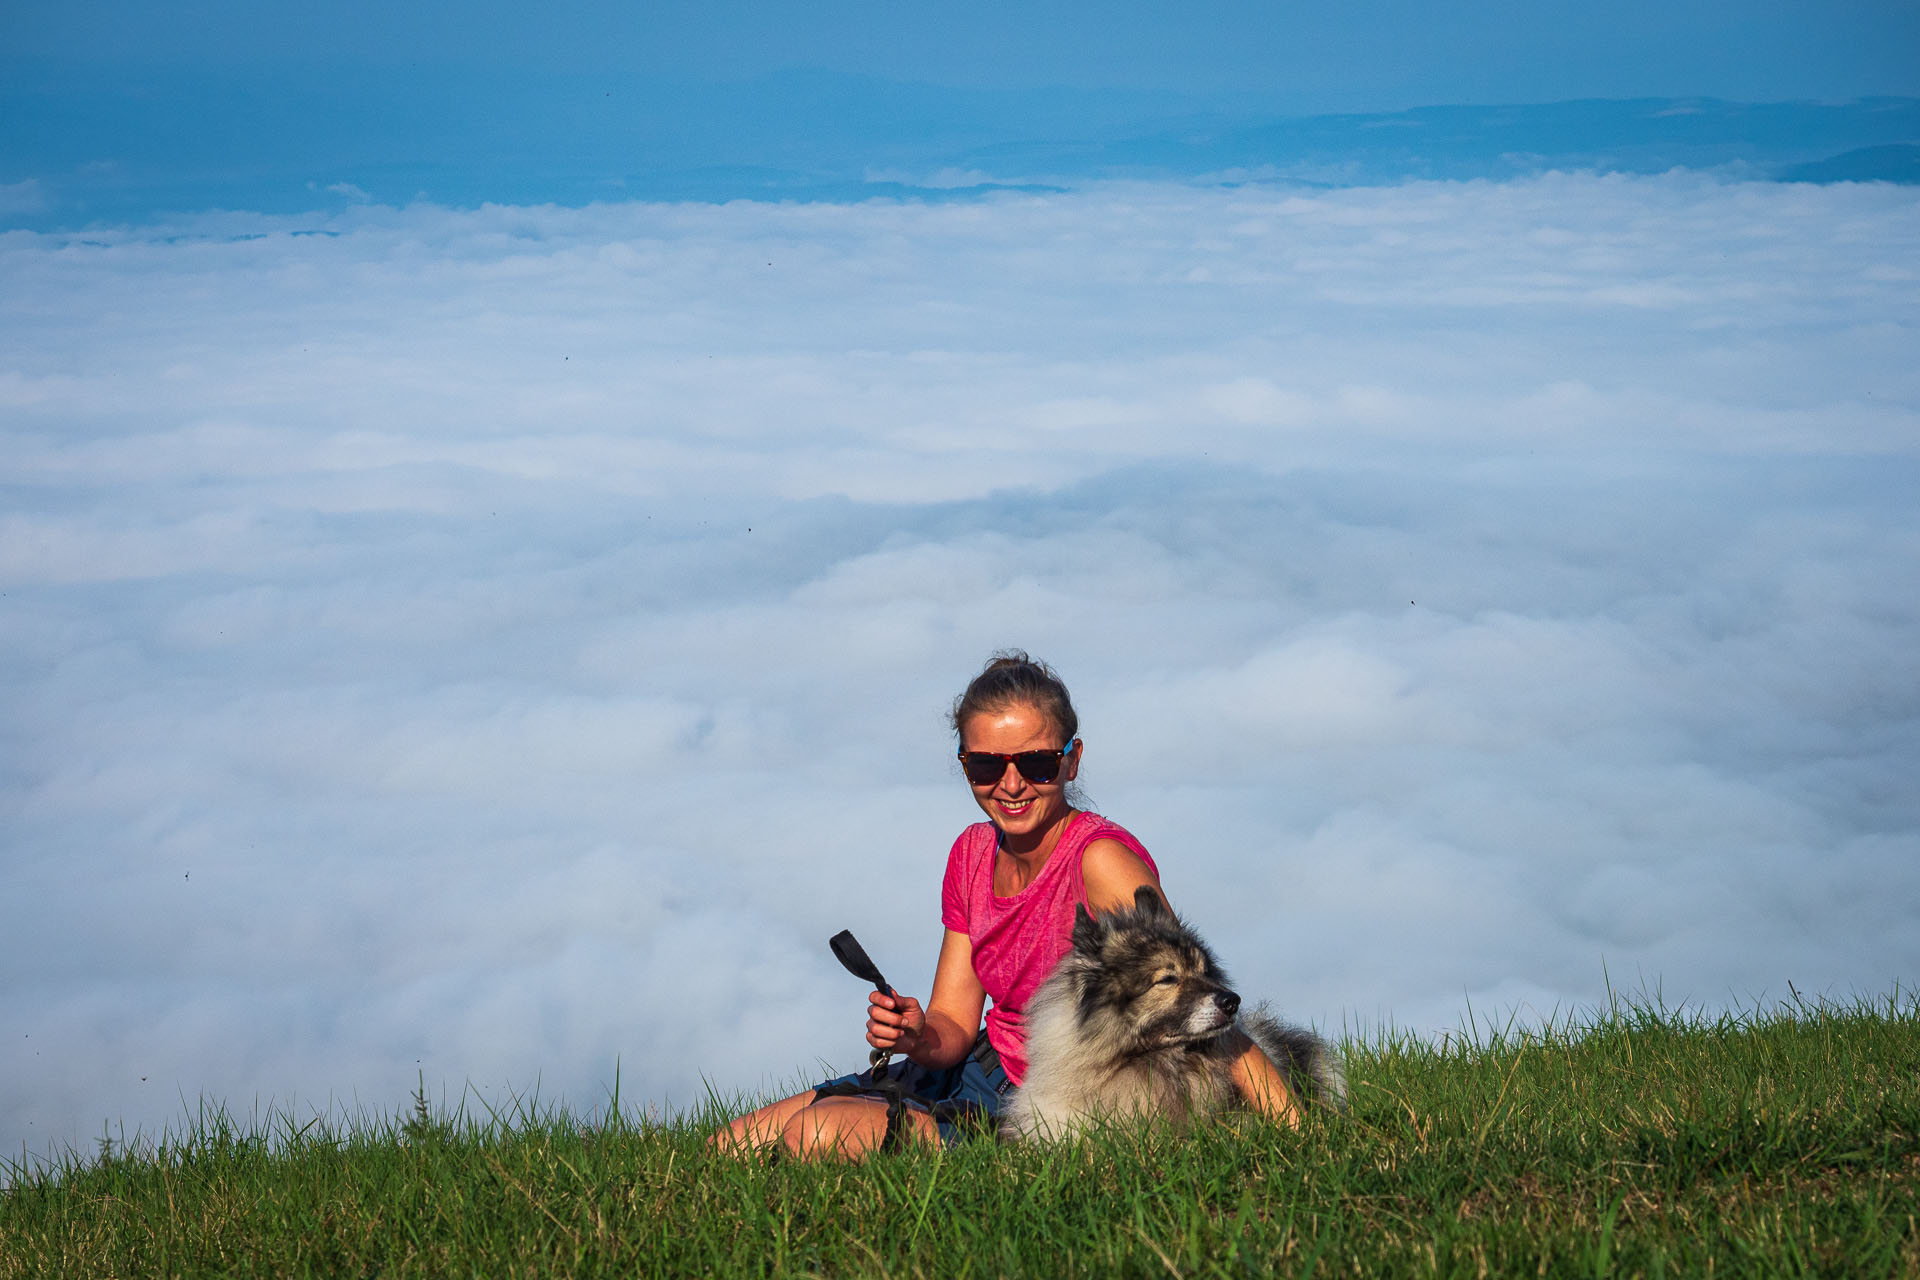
pixel 1086 934
pixel 1147 901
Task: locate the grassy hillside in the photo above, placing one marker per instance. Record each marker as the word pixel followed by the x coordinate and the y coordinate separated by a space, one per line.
pixel 1632 1143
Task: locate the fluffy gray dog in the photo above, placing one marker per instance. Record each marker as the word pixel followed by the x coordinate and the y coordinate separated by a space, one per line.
pixel 1138 1022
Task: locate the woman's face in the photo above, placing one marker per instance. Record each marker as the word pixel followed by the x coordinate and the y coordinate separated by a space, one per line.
pixel 1013 804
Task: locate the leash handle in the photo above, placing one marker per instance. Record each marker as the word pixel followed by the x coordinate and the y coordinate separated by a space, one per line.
pixel 853 957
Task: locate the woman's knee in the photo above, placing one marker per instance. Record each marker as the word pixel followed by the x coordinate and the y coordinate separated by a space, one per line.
pixel 758 1129
pixel 849 1129
pixel 812 1132
pixel 739 1136
pixel 841 1127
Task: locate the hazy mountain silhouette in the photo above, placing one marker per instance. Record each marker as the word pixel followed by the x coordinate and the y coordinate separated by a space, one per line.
pixel 82 145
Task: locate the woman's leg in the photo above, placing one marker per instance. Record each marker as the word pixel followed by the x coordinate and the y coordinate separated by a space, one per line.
pixel 844 1127
pixel 850 1129
pixel 758 1130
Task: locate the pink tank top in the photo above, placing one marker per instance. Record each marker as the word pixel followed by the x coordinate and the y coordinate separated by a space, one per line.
pixel 1017 941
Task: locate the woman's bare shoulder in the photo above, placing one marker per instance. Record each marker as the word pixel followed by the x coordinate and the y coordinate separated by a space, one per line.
pixel 1111 873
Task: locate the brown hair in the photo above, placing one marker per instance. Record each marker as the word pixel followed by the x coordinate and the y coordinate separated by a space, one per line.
pixel 1012 677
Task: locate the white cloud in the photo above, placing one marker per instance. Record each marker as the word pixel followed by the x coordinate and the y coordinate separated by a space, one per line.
pixel 505 643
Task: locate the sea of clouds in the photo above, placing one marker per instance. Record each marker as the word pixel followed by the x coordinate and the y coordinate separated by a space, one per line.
pixel 498 647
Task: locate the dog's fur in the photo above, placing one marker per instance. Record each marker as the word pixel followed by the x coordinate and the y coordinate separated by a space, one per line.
pixel 1138 1023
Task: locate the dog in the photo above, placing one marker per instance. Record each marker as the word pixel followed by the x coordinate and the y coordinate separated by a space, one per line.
pixel 1138 1023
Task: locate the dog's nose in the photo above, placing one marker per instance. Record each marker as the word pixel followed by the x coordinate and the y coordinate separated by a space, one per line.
pixel 1228 1001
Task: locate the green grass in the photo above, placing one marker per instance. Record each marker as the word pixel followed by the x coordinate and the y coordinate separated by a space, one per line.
pixel 1633 1142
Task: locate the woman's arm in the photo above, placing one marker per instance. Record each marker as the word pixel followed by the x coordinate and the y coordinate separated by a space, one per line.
pixel 942 1033
pixel 1111 872
pixel 1263 1087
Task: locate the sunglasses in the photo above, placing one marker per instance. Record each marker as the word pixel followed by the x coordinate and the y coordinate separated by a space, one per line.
pixel 984 768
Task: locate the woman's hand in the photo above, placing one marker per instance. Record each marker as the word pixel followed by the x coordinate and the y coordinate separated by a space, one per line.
pixel 894 1023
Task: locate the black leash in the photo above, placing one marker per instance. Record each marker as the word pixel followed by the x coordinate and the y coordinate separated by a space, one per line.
pixel 891 1086
pixel 853 957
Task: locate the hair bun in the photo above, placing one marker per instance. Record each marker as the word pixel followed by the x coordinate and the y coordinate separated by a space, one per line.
pixel 1011 677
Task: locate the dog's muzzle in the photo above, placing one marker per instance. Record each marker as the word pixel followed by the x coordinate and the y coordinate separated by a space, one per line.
pixel 1210 1015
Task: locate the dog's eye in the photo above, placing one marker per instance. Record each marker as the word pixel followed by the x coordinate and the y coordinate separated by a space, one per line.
pixel 1165 980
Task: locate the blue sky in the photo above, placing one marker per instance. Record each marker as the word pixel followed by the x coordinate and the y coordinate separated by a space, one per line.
pixel 121 111
pixel 1484 564
pixel 1372 55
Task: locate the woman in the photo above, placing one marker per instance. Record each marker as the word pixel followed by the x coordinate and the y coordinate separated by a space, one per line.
pixel 1011 886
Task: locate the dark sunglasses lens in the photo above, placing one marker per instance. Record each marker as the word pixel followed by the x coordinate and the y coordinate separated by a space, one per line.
pixel 981 768
pixel 1038 766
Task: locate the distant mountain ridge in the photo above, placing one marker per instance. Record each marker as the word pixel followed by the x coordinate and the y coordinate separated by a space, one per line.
pixel 1789 141
pixel 81 146
pixel 1894 162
